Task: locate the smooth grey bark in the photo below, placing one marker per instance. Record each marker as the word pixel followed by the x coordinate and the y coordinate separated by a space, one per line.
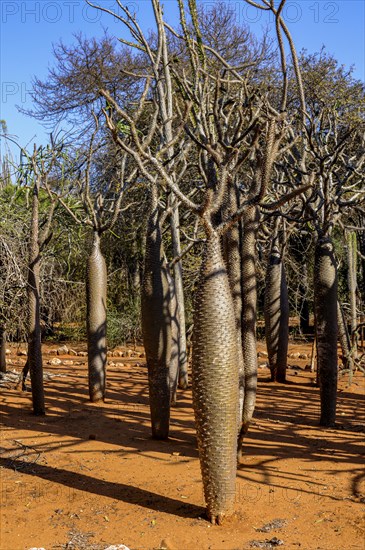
pixel 215 381
pixel 325 305
pixel 180 301
pixel 2 349
pixel 276 312
pixel 250 222
pixel 175 332
pixel 34 327
pixel 96 288
pixel 156 326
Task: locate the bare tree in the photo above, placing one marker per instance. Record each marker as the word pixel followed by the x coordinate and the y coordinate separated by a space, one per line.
pixel 332 156
pixel 101 192
pixel 35 172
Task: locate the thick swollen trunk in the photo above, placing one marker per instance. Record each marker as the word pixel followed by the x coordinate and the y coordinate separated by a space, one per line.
pixel 2 349
pixel 96 287
pixel 276 316
pixel 249 308
pixel 34 326
pixel 215 382
pixel 180 325
pixel 325 304
pixel 156 327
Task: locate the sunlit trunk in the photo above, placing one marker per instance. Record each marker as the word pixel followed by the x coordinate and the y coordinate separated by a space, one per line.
pixel 215 382
pixel 180 301
pixel 96 288
pixel 249 310
pixel 352 284
pixel 232 246
pixel 175 347
pixel 344 338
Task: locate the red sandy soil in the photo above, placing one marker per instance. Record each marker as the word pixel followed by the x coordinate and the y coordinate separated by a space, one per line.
pixel 87 476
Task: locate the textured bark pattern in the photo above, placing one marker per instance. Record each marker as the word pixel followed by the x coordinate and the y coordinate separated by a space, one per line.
pixel 215 382
pixel 156 327
pixel 325 302
pixel 232 255
pixel 2 350
pixel 96 285
pixel 249 305
pixel 276 316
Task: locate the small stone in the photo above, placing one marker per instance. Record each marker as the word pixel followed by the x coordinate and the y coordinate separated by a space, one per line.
pixel 275 541
pixel 82 353
pixel 117 547
pixel 62 350
pixel 54 361
pixel 303 356
pixel 21 352
pixel 72 351
pixel 7 352
pixel 295 355
pixel 262 354
pixel 111 364
pixel 129 353
pixel 68 362
pixel 274 524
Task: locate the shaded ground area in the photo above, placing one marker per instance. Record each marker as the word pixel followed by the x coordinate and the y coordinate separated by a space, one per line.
pixel 87 476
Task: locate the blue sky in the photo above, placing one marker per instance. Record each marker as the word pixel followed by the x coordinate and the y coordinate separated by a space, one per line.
pixel 29 27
